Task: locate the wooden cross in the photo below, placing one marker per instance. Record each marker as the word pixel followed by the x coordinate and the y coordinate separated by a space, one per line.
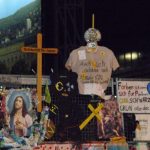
pixel 39 50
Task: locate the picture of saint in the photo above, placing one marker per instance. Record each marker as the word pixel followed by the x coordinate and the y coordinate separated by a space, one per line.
pixel 18 105
pixel 111 124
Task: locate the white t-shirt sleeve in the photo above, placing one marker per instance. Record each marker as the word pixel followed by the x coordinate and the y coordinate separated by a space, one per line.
pixel 68 64
pixel 71 62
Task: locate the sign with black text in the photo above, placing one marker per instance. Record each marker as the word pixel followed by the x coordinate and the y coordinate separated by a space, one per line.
pixel 133 96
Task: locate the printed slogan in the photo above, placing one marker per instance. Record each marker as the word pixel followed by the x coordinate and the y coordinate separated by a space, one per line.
pixel 94 72
pixel 133 96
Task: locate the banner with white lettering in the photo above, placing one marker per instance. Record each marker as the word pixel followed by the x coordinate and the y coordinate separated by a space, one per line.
pixel 71 146
pixel 133 96
pixel 55 147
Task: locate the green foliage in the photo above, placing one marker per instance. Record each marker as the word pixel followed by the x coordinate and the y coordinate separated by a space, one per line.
pixel 20 16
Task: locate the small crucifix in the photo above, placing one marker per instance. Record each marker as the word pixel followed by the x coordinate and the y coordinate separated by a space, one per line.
pixel 39 50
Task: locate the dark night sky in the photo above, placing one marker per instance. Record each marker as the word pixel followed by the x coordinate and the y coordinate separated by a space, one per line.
pixel 124 24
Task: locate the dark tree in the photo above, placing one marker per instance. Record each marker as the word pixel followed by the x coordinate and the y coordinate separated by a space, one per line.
pixel 20 67
pixel 3 68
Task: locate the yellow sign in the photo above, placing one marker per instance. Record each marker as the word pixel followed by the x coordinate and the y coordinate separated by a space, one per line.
pixel 42 50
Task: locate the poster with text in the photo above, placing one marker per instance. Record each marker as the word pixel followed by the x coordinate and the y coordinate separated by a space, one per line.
pixel 133 96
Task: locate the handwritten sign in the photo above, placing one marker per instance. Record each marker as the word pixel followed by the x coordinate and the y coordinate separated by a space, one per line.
pixel 133 96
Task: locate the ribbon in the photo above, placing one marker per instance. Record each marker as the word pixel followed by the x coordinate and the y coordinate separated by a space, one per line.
pixel 95 112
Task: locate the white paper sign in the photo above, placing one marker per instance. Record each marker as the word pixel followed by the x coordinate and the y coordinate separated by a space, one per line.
pixel 82 55
pixel 133 96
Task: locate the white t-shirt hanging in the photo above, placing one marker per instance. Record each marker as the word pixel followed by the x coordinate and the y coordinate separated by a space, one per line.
pixel 94 69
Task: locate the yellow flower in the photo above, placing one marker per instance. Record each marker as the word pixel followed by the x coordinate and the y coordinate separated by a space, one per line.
pixel 83 75
pixel 102 54
pixel 93 64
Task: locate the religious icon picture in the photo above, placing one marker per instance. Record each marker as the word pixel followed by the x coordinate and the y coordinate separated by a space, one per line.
pixel 18 118
pixel 111 124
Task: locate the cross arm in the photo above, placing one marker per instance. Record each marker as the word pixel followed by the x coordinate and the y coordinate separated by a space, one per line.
pixel 42 50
